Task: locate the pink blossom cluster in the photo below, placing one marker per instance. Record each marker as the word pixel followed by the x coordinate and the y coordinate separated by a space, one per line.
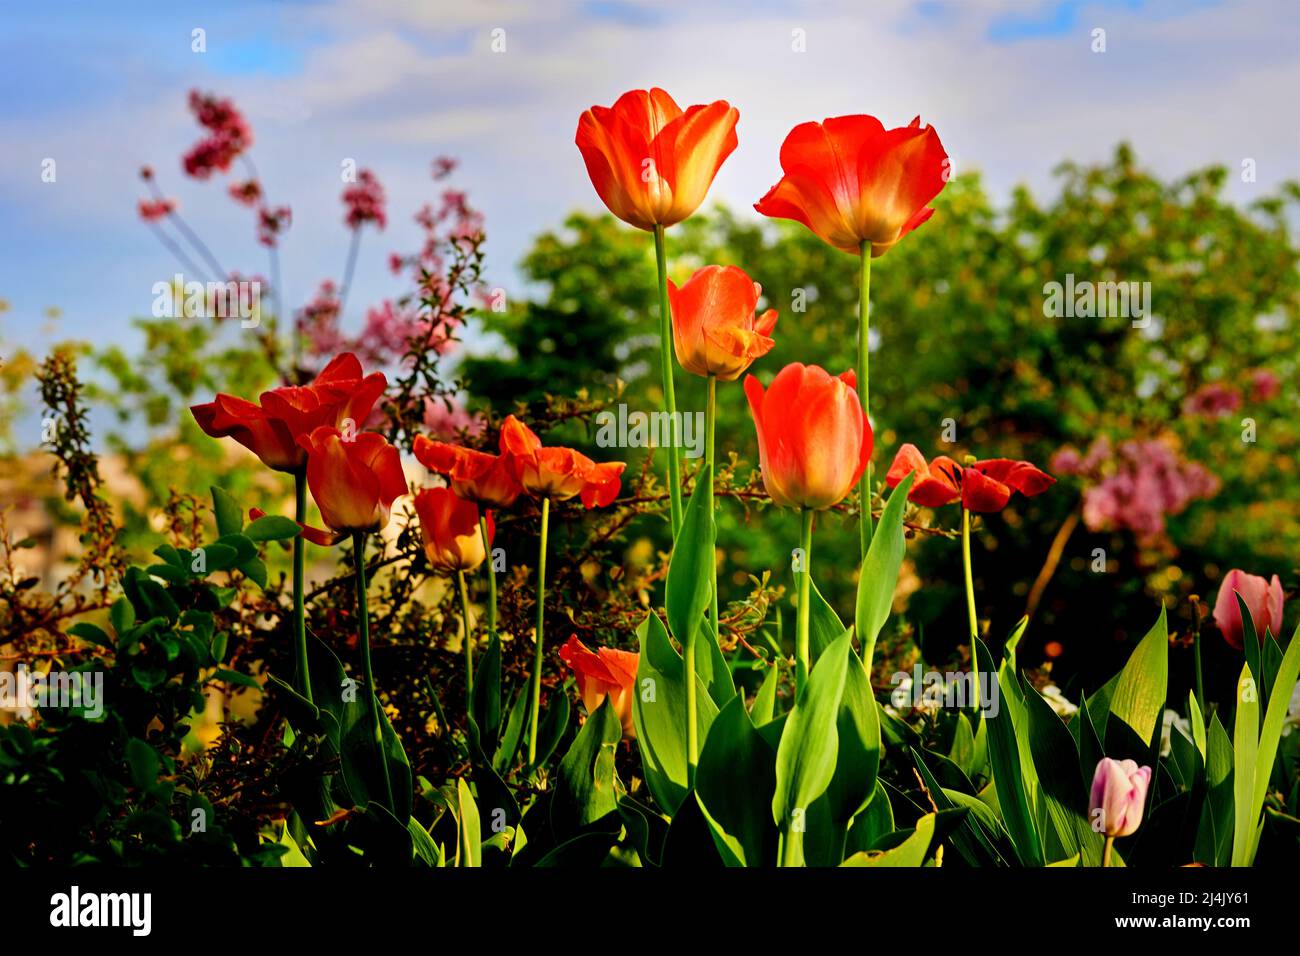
pixel 246 193
pixel 152 210
pixel 1212 400
pixel 228 135
pixel 364 201
pixel 447 422
pixel 318 320
pixel 1264 385
pixel 271 223
pixel 1135 486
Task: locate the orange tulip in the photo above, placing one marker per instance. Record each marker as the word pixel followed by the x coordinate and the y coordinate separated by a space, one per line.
pixel 652 163
pixel 714 328
pixel 813 439
pixel 557 473
pixel 850 180
pixel 605 672
pixel 340 395
pixel 353 482
pixel 449 527
pixel 475 475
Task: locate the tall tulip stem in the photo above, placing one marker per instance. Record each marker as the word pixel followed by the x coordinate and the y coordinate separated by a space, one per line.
pixel 363 617
pixel 469 642
pixel 864 388
pixel 970 581
pixel 710 426
pixel 492 577
pixel 301 671
pixel 1105 850
pixel 805 600
pixel 1196 653
pixel 670 396
pixel 541 620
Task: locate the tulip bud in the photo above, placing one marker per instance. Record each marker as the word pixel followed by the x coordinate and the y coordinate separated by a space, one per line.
pixel 1119 794
pixel 604 672
pixel 450 529
pixel 715 331
pixel 814 441
pixel 1263 600
pixel 353 482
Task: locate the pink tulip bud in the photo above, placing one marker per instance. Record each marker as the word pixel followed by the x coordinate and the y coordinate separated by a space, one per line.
pixel 1119 793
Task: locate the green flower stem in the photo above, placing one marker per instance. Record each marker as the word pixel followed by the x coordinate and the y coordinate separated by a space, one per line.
pixel 970 581
pixel 535 719
pixel 970 609
pixel 1196 653
pixel 864 389
pixel 710 424
pixel 1105 851
pixel 692 708
pixel 670 396
pixel 492 577
pixel 805 601
pixel 359 554
pixel 469 643
pixel 301 671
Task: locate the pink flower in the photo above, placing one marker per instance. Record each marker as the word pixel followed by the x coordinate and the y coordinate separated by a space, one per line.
pixel 228 135
pixel 1212 400
pixel 1264 385
pixel 364 201
pixel 1137 486
pixel 272 222
pixel 246 193
pixel 1119 794
pixel 151 210
pixel 449 422
pixel 1263 599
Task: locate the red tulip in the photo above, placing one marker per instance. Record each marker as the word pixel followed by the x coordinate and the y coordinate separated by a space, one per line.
pixel 652 163
pixel 813 439
pixel 475 475
pixel 714 328
pixel 450 529
pixel 1263 599
pixel 850 180
pixel 982 487
pixel 605 672
pixel 935 484
pixel 353 482
pixel 557 473
pixel 340 396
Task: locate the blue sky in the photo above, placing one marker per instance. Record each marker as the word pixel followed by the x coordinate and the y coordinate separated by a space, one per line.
pixel 1012 86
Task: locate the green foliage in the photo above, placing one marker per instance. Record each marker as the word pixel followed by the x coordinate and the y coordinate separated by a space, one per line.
pixel 111 786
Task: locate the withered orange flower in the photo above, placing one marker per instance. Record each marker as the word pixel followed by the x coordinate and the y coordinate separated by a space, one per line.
pixel 474 475
pixel 851 181
pixel 715 331
pixel 651 162
pixel 558 473
pixel 982 487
